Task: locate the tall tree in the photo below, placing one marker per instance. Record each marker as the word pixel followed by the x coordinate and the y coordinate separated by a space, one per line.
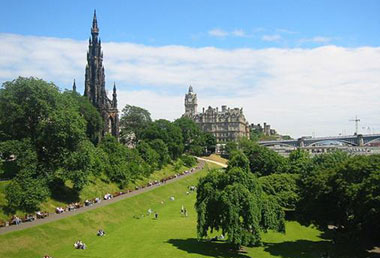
pixel 133 120
pixel 234 203
pixel 169 133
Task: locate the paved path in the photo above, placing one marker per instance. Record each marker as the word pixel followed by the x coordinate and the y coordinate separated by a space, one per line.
pixel 212 161
pixel 54 216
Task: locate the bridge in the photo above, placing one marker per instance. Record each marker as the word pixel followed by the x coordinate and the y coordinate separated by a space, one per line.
pixel 348 140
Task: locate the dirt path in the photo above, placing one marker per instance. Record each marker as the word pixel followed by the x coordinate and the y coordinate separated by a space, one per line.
pixel 212 161
pixel 54 216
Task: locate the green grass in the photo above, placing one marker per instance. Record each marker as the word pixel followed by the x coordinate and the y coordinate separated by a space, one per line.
pixel 172 235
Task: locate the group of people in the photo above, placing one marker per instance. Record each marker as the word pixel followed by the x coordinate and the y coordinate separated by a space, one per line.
pixel 59 210
pixel 16 220
pixel 79 245
pixel 108 196
pixel 101 232
pixel 184 211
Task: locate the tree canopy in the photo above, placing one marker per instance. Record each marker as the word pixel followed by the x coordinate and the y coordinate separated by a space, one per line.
pixel 233 201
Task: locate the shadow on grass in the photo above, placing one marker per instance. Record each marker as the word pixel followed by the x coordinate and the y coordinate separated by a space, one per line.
pixel 62 193
pixel 214 249
pixel 309 249
pixel 299 249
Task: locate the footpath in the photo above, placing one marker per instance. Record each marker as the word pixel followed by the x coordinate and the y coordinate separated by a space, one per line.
pixel 212 161
pixel 54 216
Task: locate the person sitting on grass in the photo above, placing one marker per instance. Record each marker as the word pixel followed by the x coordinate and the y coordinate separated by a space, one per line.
pixel 101 232
pixel 80 245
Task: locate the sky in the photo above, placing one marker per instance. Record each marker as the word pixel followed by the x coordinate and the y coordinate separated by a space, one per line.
pixel 305 67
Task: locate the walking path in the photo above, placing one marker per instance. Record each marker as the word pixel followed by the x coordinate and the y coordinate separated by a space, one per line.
pixel 54 216
pixel 212 161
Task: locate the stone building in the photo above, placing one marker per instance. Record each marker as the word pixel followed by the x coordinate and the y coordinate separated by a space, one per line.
pixel 227 124
pixel 265 129
pixel 94 87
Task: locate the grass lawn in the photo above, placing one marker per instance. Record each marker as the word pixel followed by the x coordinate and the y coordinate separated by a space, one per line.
pixel 132 233
pixel 216 158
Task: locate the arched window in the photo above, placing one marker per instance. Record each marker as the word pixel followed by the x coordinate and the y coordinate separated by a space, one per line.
pixel 110 125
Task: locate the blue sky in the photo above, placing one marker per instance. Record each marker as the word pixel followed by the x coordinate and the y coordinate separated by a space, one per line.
pixel 305 67
pixel 260 23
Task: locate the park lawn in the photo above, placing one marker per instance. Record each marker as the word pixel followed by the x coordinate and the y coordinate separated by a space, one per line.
pixel 216 158
pixel 132 233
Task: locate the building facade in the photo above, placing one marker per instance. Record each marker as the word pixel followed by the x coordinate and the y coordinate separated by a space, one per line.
pixel 94 87
pixel 227 124
pixel 266 130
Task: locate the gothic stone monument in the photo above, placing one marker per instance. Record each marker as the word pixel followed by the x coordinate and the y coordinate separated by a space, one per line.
pixel 94 87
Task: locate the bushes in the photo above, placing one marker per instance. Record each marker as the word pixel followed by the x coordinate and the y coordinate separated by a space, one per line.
pixel 188 160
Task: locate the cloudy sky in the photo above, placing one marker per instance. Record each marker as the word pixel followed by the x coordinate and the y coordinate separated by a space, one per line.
pixel 305 67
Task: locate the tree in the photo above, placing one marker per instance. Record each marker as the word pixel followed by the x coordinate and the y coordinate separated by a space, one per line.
pixel 234 203
pixel 342 191
pixel 283 187
pixel 149 155
pixel 230 147
pixel 92 116
pixel 195 141
pixel 169 133
pixel 43 129
pixel 238 159
pixel 263 161
pixel 24 103
pixel 161 149
pixel 299 161
pixel 133 120
pixel 116 165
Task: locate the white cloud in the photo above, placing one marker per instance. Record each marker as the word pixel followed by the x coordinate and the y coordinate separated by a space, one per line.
pixel 239 33
pixel 274 37
pixel 317 39
pixel 286 31
pixel 218 33
pixel 298 91
pixel 222 33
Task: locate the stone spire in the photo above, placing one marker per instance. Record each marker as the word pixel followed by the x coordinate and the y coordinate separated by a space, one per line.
pixel 114 96
pixel 94 77
pixel 94 87
pixel 191 89
pixel 94 29
pixel 74 86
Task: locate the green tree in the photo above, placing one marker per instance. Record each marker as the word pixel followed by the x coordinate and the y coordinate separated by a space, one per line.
pixel 283 187
pixel 299 161
pixel 116 165
pixel 238 159
pixel 234 203
pixel 169 133
pixel 161 149
pixel 133 120
pixel 94 121
pixel 149 155
pixel 263 161
pixel 342 191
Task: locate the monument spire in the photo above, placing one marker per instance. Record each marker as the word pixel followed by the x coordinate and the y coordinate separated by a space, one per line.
pixel 94 29
pixel 94 87
pixel 74 86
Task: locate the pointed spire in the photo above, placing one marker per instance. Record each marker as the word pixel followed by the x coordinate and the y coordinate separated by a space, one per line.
pixel 190 89
pixel 114 96
pixel 74 87
pixel 94 29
